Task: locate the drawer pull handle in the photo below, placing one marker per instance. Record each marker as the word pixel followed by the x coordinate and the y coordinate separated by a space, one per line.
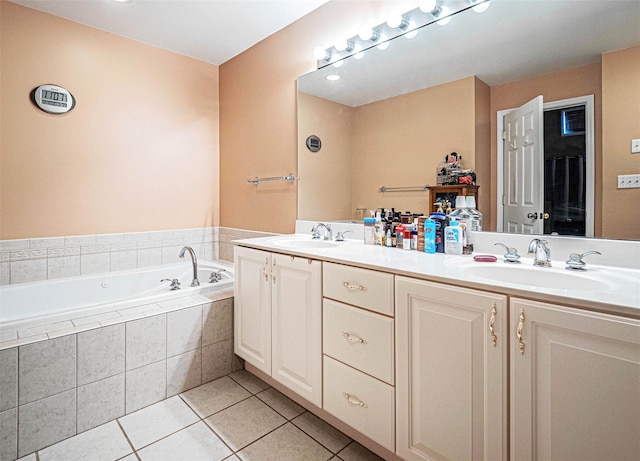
pixel 519 331
pixel 348 286
pixel 492 322
pixel 353 339
pixel 353 401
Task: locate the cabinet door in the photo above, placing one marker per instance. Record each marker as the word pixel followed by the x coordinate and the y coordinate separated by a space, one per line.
pixel 451 372
pixel 297 325
pixel 252 307
pixel 575 384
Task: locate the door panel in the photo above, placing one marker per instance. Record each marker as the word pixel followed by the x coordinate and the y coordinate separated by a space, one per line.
pixel 523 169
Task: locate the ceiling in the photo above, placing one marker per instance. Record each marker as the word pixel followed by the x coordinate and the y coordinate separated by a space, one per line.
pixel 213 31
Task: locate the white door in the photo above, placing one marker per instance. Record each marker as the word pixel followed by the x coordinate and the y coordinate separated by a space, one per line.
pixel 297 325
pixel 252 307
pixel 575 384
pixel 523 199
pixel 451 373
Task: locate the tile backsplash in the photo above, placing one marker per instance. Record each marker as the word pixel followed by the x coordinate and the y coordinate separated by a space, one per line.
pixel 31 260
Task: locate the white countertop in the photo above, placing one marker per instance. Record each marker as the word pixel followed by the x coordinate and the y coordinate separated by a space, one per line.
pixel 614 290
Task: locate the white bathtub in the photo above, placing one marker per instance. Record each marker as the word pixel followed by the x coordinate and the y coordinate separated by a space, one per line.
pixel 65 298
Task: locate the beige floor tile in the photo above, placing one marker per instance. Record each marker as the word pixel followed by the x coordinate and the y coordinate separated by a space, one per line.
pixel 245 422
pixel 194 443
pixel 249 381
pixel 103 443
pixel 330 437
pixel 157 421
pixel 286 443
pixel 215 396
pixel 281 403
pixel 356 452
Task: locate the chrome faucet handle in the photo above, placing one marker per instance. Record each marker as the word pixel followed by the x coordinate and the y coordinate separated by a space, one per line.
pixel 328 234
pixel 340 235
pixel 542 254
pixel 175 283
pixel 575 262
pixel 216 276
pixel 511 256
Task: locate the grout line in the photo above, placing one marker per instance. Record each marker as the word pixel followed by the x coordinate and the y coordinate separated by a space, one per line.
pixel 126 436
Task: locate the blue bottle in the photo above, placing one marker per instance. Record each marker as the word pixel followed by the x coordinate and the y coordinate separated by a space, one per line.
pixel 429 236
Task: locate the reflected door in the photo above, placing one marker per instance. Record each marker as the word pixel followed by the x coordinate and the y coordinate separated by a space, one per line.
pixel 523 169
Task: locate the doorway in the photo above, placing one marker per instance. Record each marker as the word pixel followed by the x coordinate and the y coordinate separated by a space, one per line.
pixel 569 162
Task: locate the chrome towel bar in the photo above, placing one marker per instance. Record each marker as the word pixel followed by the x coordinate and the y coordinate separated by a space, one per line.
pixel 404 188
pixel 291 178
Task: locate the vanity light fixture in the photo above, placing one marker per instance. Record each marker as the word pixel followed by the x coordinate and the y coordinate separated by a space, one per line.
pixel 408 24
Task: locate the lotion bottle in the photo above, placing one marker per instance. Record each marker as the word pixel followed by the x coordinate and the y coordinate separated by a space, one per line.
pixel 453 238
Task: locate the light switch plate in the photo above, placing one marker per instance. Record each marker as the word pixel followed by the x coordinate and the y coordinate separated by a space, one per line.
pixel 628 181
pixel 635 146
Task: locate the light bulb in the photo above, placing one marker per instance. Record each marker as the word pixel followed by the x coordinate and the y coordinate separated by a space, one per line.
pixel 367 33
pixel 358 53
pixel 396 21
pixel 412 30
pixel 338 64
pixel 332 77
pixel 428 6
pixel 480 7
pixel 342 44
pixel 384 42
pixel 445 14
pixel 321 54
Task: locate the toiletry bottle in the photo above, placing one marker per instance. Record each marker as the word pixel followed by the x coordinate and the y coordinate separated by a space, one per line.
pixel 465 220
pixel 369 231
pixel 399 235
pixel 388 241
pixel 453 238
pixel 429 236
pixel 379 230
pixel 476 224
pixel 441 221
pixel 406 237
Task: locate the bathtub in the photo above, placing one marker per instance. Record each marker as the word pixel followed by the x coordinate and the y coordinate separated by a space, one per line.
pixel 56 300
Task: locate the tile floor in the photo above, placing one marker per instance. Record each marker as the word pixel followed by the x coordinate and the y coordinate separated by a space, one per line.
pixel 237 417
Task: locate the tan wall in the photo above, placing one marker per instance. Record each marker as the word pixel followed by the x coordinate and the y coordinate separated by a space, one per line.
pixel 620 124
pixel 138 153
pixel 570 83
pixel 258 113
pixel 482 105
pixel 325 176
pixel 400 141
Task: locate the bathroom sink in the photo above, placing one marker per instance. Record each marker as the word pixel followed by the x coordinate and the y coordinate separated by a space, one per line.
pixel 304 243
pixel 537 277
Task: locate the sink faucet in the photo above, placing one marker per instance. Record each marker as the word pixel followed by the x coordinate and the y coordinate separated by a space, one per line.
pixel 328 233
pixel 194 261
pixel 542 254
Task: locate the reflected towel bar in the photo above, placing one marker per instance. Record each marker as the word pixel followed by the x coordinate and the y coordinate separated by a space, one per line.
pixel 291 178
pixel 405 188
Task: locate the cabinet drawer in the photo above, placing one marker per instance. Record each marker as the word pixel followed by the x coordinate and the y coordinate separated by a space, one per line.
pixel 359 338
pixel 363 402
pixel 360 287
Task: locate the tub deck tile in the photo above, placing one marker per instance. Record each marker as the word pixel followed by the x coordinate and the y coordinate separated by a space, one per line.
pixel 96 318
pixel 49 328
pixel 23 341
pixel 73 330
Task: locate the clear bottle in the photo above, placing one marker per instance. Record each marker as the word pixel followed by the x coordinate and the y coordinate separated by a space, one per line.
pixel 464 219
pixel 476 225
pixel 369 231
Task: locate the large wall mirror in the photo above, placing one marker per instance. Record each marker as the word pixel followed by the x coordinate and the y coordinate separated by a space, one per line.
pixel 393 115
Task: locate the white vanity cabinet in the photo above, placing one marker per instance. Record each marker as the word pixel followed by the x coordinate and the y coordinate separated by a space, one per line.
pixel 278 318
pixel 575 384
pixel 358 346
pixel 451 372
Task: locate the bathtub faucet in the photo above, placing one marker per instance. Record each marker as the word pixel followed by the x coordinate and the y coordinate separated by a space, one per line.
pixel 194 261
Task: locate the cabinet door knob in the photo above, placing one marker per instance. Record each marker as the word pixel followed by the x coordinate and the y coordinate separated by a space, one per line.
pixel 492 322
pixel 354 401
pixel 519 331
